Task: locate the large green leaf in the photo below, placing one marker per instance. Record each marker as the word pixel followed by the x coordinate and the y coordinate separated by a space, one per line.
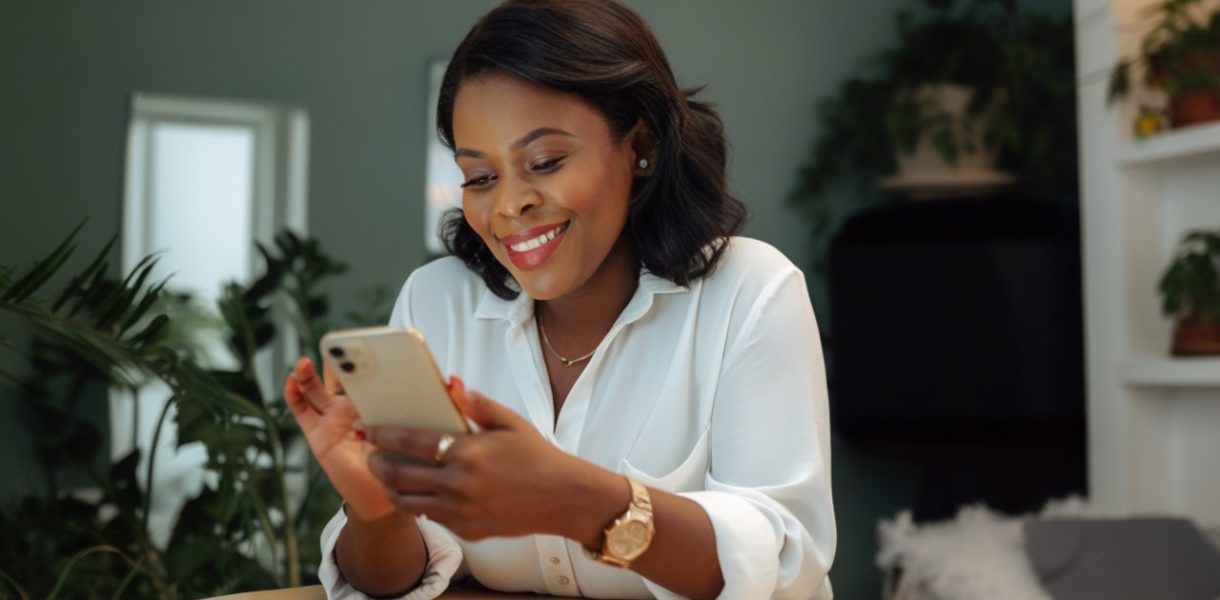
pixel 43 270
pixel 95 268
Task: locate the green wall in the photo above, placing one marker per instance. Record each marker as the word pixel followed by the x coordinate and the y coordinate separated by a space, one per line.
pixel 358 68
pixel 68 69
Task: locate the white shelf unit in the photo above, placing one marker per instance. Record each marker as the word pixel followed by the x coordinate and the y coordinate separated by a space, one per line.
pixel 1161 372
pixel 1186 145
pixel 1154 420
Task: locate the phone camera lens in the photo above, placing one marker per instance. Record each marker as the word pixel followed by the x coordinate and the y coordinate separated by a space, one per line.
pixel 347 366
pixel 336 351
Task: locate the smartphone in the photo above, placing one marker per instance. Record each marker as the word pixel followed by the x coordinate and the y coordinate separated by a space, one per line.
pixel 389 374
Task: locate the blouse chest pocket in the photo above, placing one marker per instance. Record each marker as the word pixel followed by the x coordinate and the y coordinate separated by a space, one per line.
pixel 688 474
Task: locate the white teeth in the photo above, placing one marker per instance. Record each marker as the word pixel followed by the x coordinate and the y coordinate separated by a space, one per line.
pixel 530 244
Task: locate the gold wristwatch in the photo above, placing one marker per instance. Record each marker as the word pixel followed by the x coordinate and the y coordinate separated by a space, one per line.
pixel 629 536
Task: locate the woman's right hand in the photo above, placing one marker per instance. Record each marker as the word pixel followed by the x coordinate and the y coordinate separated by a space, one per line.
pixel 330 424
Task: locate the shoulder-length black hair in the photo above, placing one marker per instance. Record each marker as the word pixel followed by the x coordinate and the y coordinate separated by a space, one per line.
pixel 604 53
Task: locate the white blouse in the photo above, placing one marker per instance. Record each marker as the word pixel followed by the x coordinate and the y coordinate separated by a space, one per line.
pixel 715 392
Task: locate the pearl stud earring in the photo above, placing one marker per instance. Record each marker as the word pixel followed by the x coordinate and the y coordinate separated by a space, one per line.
pixel 643 163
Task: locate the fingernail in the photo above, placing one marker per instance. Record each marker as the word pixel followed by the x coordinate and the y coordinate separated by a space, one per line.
pixel 360 434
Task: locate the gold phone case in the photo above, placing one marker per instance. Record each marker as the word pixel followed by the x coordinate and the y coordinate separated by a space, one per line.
pixel 389 374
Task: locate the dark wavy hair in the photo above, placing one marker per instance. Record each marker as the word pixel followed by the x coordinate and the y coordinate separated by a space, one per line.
pixel 604 53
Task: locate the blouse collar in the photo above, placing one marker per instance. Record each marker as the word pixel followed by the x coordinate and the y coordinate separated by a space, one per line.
pixel 519 310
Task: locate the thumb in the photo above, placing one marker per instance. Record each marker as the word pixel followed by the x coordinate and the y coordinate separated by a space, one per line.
pixel 489 414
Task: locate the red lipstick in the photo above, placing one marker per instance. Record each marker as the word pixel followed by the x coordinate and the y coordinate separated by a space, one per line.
pixel 531 247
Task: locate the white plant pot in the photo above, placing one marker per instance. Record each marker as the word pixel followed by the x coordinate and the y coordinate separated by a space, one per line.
pixel 926 173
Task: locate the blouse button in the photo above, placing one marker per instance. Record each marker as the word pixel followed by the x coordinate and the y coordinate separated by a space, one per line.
pixel 563 580
pixel 554 560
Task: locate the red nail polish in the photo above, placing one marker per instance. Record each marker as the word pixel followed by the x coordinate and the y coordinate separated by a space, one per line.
pixel 360 434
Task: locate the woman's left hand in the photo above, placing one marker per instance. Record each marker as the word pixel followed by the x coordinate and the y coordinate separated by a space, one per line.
pixel 504 481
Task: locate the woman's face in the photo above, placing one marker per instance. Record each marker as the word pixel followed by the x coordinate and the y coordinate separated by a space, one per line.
pixel 546 184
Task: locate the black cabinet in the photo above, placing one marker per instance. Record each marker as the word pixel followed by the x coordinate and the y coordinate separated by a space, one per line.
pixel 956 341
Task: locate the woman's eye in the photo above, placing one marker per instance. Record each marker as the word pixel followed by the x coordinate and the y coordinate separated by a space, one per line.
pixel 544 166
pixel 478 182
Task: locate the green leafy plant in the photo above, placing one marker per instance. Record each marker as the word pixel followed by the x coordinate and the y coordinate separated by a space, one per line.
pixel 247 531
pixel 1019 66
pixel 1190 285
pixel 958 45
pixel 1180 53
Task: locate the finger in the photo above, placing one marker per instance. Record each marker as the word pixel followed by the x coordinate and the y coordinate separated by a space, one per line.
pixel 414 443
pixel 457 394
pixel 310 385
pixel 490 414
pixel 331 381
pixel 436 508
pixel 342 412
pixel 307 418
pixel 405 477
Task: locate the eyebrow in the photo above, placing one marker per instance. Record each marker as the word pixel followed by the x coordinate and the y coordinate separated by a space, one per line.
pixel 523 141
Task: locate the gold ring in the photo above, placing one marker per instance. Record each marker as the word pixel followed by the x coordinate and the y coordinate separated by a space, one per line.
pixel 442 447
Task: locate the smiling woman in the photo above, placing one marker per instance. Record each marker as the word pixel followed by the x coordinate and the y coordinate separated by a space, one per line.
pixel 659 427
pixel 566 181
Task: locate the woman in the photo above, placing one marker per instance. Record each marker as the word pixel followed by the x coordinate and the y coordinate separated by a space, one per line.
pixel 659 427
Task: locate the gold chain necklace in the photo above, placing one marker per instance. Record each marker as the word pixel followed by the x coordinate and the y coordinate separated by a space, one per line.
pixel 567 362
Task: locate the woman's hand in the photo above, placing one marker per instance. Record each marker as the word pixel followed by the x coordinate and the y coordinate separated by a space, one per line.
pixel 504 481
pixel 329 421
pixel 379 551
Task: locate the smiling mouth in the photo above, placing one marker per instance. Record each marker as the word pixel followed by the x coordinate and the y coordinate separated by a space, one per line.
pixel 537 242
pixel 531 252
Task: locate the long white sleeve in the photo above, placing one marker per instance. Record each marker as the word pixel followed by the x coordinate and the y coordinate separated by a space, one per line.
pixel 444 561
pixel 768 492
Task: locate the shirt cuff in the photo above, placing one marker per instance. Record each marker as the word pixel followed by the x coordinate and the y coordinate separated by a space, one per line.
pixel 745 544
pixel 444 559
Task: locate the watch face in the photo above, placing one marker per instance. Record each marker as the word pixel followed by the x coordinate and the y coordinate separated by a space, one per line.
pixel 629 539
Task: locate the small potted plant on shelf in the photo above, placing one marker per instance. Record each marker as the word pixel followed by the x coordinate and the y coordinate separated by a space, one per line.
pixel 973 95
pixel 1190 293
pixel 1180 55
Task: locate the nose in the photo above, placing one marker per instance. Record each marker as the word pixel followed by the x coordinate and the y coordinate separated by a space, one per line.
pixel 516 197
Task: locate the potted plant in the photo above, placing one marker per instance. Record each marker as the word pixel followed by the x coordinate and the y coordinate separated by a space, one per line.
pixel 1190 293
pixel 256 526
pixel 968 86
pixel 1180 54
pixel 944 95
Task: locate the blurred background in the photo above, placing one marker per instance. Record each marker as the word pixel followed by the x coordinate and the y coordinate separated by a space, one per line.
pixel 953 305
